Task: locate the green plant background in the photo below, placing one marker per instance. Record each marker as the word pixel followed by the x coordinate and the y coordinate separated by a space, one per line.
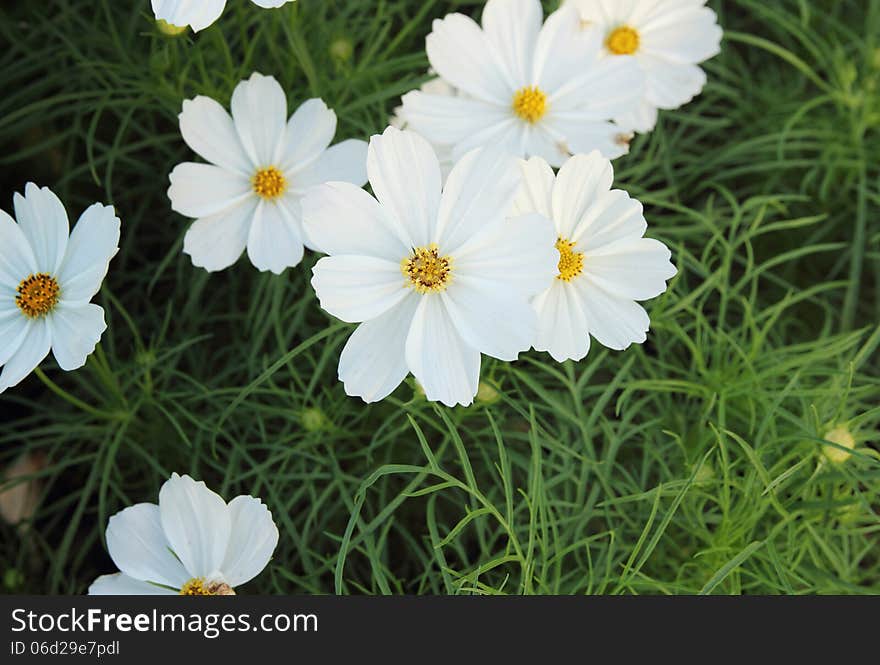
pixel 692 463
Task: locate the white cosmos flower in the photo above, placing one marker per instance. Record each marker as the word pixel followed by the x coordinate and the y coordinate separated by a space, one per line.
pixel 668 38
pixel 437 275
pixel 193 543
pixel 260 166
pixel 199 14
pixel 605 264
pixel 538 91
pixel 48 275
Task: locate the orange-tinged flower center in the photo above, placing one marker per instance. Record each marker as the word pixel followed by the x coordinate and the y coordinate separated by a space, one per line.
pixel 37 295
pixel 530 104
pixel 623 40
pixel 269 183
pixel 571 263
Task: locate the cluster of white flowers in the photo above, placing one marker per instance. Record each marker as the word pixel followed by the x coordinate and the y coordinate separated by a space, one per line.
pixel 469 244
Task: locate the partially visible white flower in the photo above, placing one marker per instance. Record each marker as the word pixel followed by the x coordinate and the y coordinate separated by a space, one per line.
pixel 192 544
pixel 199 14
pixel 536 90
pixel 48 277
pixel 668 39
pixel 605 264
pixel 434 86
pixel 435 275
pixel 261 164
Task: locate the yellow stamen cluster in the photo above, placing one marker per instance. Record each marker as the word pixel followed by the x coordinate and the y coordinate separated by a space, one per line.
pixel 269 183
pixel 571 263
pixel 623 41
pixel 427 271
pixel 530 104
pixel 198 587
pixel 37 295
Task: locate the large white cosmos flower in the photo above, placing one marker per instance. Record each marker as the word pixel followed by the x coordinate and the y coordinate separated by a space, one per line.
pixel 260 166
pixel 48 275
pixel 538 91
pixel 436 275
pixel 193 543
pixel 605 264
pixel 199 14
pixel 668 38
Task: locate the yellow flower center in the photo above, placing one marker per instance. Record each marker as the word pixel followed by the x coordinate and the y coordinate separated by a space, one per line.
pixel 530 104
pixel 269 183
pixel 623 41
pixel 427 271
pixel 571 263
pixel 198 587
pixel 37 295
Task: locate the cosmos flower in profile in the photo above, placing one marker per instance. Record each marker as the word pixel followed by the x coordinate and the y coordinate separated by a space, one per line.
pixel 605 263
pixel 199 14
pixel 192 543
pixel 667 38
pixel 536 89
pixel 435 274
pixel 48 276
pixel 260 165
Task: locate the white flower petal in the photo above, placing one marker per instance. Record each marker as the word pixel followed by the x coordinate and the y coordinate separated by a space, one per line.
pixel 76 331
pixel 615 322
pixel 563 51
pixel 309 131
pixel 198 14
pixel 641 118
pixel 218 241
pixel 671 85
pixel 373 362
pixel 30 353
pixel 536 192
pixel 405 176
pixel 14 328
pixel 120 584
pixel 603 89
pixel 270 4
pixel 208 129
pixel 196 523
pixel 450 121
pixel 199 190
pixel 512 27
pixel 583 135
pixel 343 162
pixel 480 189
pixel 542 140
pixel 518 254
pixel 259 111
pixel 358 288
pixel 93 244
pixel 562 323
pixel 275 239
pixel 17 259
pixel 445 366
pixel 635 269
pixel 43 221
pixel 459 52
pixel 139 548
pixel 490 317
pixel 340 218
pixel 253 539
pixel 581 181
pixel 688 38
pixel 613 216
